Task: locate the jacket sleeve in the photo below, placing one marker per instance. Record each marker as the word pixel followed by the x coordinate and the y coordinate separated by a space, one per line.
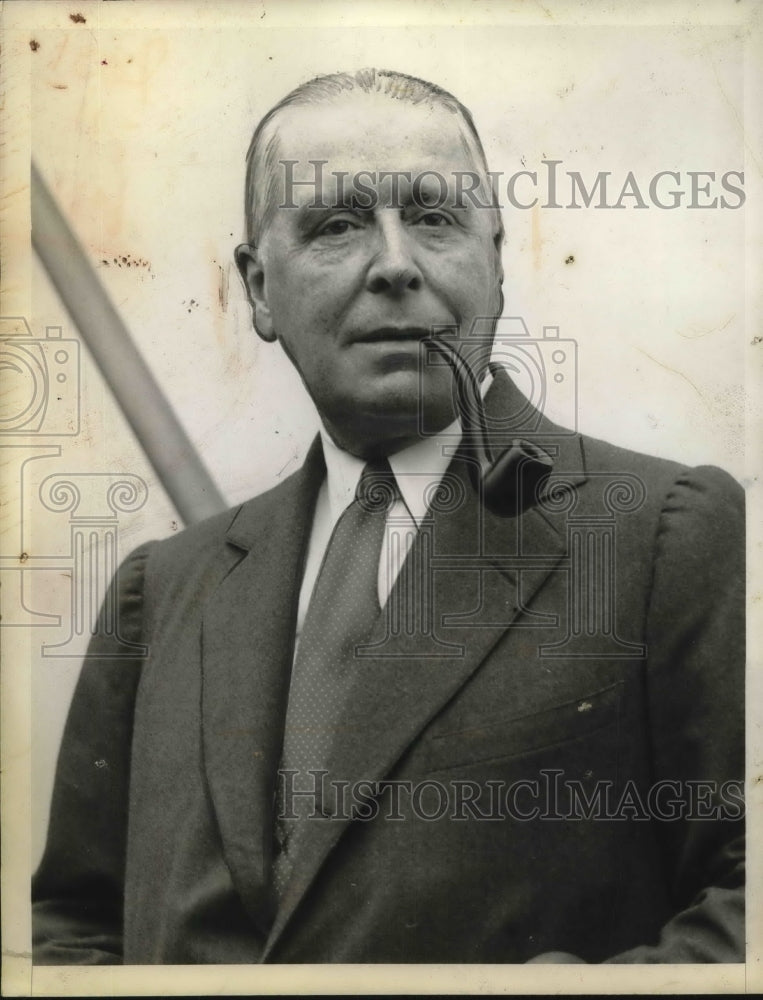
pixel 77 891
pixel 695 683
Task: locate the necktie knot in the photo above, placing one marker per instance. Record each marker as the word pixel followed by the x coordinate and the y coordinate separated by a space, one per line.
pixel 377 488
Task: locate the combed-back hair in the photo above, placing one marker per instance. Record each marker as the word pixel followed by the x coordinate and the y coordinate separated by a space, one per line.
pixel 262 157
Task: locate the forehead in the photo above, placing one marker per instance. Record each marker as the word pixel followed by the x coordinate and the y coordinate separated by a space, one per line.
pixel 374 132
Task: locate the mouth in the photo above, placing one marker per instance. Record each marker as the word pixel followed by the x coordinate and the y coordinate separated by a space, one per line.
pixel 396 334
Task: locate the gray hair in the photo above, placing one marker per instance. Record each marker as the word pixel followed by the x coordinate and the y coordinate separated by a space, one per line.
pixel 262 157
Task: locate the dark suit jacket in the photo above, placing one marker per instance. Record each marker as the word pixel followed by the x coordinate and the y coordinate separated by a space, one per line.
pixel 593 643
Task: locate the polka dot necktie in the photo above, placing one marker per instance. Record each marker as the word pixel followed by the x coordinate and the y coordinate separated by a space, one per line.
pixel 343 608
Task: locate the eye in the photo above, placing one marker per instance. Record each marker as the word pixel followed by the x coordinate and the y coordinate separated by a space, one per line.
pixel 337 227
pixel 433 220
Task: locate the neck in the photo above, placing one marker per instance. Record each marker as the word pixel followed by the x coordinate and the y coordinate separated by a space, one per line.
pixel 370 449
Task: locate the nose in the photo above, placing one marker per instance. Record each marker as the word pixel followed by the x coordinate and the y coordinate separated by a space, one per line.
pixel 393 269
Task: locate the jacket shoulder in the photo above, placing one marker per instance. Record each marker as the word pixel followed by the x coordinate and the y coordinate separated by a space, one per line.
pixel 199 543
pixel 602 456
pixel 663 479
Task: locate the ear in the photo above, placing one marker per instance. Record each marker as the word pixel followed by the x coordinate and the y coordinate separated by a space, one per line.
pixel 249 264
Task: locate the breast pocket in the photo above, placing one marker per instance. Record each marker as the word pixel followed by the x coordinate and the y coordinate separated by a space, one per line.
pixel 515 736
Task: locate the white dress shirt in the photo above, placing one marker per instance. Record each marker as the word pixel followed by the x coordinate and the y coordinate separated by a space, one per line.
pixel 418 471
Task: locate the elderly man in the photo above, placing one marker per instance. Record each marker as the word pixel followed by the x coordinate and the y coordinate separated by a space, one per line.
pixel 380 720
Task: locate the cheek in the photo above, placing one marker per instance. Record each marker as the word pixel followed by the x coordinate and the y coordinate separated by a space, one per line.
pixel 472 293
pixel 310 295
pixel 466 274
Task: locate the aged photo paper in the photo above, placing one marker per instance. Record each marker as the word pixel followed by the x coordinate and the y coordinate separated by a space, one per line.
pixel 626 145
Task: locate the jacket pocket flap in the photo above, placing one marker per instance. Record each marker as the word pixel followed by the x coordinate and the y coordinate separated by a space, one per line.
pixel 518 735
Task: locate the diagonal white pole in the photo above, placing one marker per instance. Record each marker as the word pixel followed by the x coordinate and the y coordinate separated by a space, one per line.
pixel 165 443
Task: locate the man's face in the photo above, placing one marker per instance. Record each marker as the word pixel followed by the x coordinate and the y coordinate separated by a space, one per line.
pixel 351 292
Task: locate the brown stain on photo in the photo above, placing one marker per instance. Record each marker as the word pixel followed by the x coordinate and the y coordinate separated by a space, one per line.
pixel 222 288
pixel 127 260
pixel 217 290
pixel 78 18
pixel 144 69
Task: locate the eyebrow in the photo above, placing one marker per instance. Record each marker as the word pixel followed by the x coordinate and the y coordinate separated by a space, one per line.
pixel 312 211
pixel 321 204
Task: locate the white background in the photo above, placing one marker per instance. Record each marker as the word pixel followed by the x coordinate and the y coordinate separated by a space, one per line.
pixel 140 121
pixel 145 151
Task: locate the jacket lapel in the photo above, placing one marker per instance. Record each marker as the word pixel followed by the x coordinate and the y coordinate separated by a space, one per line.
pixel 247 640
pixel 477 571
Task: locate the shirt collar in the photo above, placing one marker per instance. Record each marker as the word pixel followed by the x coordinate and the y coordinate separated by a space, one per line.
pixel 418 470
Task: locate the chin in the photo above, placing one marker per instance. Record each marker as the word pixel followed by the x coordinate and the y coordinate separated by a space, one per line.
pixel 400 418
pixel 379 410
